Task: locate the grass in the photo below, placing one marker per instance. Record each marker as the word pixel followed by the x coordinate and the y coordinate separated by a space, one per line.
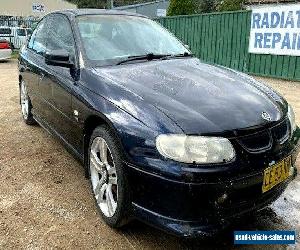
pixel 15 54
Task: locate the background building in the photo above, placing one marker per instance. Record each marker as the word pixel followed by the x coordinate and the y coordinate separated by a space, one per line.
pixel 32 7
pixel 262 3
pixel 151 9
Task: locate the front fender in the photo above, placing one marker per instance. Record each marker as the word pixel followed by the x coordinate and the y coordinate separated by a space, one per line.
pixel 136 137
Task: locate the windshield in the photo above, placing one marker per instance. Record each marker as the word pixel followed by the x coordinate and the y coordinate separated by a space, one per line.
pixel 109 39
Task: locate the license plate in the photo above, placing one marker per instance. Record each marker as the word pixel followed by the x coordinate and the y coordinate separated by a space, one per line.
pixel 276 174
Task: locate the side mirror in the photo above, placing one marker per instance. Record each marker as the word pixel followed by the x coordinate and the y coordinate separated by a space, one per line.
pixel 187 46
pixel 58 58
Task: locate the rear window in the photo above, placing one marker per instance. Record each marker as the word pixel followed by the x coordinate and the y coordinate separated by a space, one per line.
pixel 5 31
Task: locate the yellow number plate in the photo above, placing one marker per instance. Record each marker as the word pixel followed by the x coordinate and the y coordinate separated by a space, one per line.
pixel 276 174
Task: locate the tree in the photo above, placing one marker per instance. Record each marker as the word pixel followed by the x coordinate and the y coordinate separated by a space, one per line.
pixel 96 4
pixel 206 6
pixel 230 5
pixel 179 7
pixel 188 7
pixel 104 3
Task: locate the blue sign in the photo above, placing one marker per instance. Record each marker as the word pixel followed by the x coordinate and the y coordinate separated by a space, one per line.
pixel 275 30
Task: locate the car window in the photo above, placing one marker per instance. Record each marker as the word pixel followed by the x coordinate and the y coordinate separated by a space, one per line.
pixel 5 31
pixel 39 38
pixel 61 35
pixel 29 31
pixel 21 32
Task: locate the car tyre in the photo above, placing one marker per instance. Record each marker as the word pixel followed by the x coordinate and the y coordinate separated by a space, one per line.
pixel 108 179
pixel 26 105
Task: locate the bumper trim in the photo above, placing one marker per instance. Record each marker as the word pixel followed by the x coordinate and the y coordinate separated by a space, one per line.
pixel 188 183
pixel 198 228
pixel 179 228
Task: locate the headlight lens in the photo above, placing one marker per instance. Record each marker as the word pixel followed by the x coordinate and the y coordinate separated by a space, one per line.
pixel 291 116
pixel 195 149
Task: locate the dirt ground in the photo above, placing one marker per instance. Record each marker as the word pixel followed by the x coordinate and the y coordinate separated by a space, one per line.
pixel 46 202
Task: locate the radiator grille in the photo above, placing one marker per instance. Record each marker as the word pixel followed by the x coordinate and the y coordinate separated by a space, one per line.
pixel 264 140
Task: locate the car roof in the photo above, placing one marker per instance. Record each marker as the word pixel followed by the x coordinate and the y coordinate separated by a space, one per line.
pixel 81 12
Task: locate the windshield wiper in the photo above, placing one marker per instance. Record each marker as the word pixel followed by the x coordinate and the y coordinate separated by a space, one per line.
pixel 185 54
pixel 148 57
pixel 151 56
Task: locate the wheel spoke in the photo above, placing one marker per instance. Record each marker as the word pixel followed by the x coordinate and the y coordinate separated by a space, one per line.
pixel 112 180
pixel 111 169
pixel 100 196
pixel 23 109
pixel 103 151
pixel 99 185
pixel 97 164
pixel 111 204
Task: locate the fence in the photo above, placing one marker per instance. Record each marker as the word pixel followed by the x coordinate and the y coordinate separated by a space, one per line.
pixel 16 29
pixel 223 38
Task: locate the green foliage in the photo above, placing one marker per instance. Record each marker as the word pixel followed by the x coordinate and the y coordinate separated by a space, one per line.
pixel 179 7
pixel 89 3
pixel 188 7
pixel 230 5
pixel 129 2
pixel 100 4
pixel 206 6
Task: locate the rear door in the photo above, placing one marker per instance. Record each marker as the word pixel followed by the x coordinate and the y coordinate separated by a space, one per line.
pixel 33 63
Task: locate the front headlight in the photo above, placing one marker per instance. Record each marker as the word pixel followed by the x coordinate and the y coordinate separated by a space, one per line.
pixel 291 116
pixel 195 149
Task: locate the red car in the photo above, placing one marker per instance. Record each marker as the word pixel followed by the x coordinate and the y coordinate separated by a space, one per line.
pixel 5 50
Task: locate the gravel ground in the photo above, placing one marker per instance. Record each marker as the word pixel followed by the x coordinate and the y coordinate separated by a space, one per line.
pixel 45 200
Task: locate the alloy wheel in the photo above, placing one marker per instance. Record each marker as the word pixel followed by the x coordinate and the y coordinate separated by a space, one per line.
pixel 24 100
pixel 103 177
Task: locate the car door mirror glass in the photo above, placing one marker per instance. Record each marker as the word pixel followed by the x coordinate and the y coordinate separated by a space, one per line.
pixel 58 58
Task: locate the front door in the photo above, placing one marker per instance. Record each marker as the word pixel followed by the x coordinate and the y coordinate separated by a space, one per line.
pixel 61 79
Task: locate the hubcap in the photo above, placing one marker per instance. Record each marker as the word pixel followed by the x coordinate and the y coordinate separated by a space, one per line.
pixel 24 101
pixel 103 177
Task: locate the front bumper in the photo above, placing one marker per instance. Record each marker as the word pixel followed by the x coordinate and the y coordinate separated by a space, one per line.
pixel 202 206
pixel 195 209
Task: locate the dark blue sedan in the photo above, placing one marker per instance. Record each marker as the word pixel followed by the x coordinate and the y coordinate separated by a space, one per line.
pixel 164 138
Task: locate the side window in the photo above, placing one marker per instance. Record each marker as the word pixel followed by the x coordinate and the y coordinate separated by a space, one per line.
pixel 61 35
pixel 39 38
